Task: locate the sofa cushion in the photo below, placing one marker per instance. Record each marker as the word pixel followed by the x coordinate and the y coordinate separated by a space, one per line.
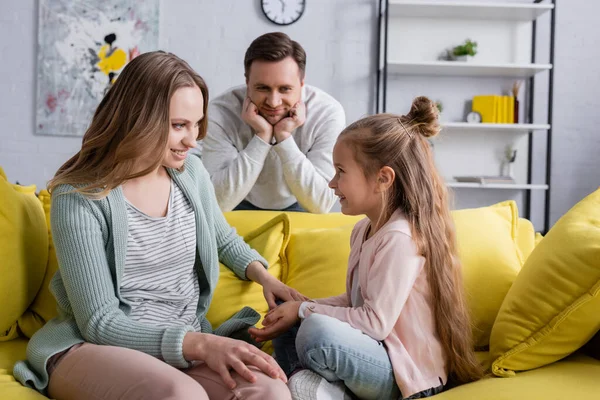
pixel 575 377
pixel 232 293
pixel 552 308
pixel 23 252
pixel 246 221
pixel 43 308
pixel 491 260
pixel 525 237
pixel 318 261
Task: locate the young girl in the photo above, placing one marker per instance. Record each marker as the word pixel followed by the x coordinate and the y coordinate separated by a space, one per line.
pixel 139 235
pixel 402 329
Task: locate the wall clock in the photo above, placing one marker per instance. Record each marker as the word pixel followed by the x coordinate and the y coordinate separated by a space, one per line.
pixel 283 12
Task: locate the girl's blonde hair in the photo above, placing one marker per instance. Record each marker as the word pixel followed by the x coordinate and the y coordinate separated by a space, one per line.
pixel 400 142
pixel 130 124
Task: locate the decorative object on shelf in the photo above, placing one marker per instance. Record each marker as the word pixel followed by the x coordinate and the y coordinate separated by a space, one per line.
pixel 483 179
pixel 283 12
pixel 81 51
pixel 516 87
pixel 462 52
pixel 439 105
pixel 474 117
pixel 510 155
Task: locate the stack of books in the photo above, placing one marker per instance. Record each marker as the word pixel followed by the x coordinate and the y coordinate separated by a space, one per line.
pixel 484 179
pixel 495 109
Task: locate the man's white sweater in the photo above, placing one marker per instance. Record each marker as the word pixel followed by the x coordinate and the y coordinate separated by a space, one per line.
pixel 244 167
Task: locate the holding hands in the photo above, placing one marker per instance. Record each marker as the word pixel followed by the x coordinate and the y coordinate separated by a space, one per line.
pixel 277 321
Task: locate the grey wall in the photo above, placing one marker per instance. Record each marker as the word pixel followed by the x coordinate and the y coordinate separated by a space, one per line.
pixel 212 35
pixel 339 37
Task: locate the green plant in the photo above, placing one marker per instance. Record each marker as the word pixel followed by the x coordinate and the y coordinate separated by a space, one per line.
pixel 469 48
pixel 439 106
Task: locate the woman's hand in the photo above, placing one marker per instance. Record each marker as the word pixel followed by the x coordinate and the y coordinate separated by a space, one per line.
pixel 273 288
pixel 277 321
pixel 223 354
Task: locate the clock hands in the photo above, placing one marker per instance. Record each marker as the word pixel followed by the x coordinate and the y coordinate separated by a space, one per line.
pixel 282 6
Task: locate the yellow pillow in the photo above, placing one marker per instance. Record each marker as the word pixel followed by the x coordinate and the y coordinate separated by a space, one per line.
pixel 318 261
pixel 490 260
pixel 246 221
pixel 525 237
pixel 232 293
pixel 23 252
pixel 43 308
pixel 552 309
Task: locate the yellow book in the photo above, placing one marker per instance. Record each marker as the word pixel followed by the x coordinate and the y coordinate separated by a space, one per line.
pixel 485 105
pixel 511 109
pixel 500 117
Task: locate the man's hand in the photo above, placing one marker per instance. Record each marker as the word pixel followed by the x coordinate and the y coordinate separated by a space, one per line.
pixel 222 354
pixel 277 321
pixel 261 126
pixel 284 128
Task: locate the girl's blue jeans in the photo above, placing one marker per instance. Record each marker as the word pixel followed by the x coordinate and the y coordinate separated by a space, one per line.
pixel 337 351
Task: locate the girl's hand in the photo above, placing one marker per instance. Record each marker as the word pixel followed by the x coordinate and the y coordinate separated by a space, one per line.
pixel 277 321
pixel 222 354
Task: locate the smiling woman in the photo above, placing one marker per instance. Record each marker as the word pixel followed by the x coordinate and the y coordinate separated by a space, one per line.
pixel 138 236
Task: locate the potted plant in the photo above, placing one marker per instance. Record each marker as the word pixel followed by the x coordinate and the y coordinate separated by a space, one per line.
pixel 463 51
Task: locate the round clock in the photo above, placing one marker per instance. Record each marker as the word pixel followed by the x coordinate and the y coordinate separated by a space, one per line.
pixel 283 12
pixel 474 117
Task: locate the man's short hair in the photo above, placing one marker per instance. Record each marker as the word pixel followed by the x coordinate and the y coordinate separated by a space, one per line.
pixel 274 46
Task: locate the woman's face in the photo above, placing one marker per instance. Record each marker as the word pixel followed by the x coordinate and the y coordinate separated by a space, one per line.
pixel 185 113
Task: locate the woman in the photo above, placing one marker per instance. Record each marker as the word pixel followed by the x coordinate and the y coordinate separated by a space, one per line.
pixel 138 236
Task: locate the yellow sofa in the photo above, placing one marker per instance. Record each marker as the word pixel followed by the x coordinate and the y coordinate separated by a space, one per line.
pixel 309 252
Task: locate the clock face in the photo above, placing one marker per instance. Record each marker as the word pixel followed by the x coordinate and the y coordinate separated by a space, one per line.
pixel 474 117
pixel 283 12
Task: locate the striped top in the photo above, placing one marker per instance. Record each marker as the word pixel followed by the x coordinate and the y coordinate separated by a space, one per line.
pixel 159 280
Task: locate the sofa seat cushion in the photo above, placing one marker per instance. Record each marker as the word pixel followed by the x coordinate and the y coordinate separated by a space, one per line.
pixel 575 377
pixel 551 310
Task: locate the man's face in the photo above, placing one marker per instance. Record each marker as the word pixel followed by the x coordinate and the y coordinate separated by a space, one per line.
pixel 274 87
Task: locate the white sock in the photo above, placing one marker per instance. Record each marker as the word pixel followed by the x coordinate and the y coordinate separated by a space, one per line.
pixel 308 385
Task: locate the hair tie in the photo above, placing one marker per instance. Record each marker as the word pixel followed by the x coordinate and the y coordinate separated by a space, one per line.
pixel 403 127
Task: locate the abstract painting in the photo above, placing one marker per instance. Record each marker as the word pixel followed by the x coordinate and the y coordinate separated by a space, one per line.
pixel 83 45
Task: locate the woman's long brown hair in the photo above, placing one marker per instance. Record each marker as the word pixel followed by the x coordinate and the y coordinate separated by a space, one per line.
pixel 130 124
pixel 400 142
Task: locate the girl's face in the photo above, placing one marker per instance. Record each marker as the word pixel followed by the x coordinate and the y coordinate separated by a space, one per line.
pixel 185 113
pixel 358 194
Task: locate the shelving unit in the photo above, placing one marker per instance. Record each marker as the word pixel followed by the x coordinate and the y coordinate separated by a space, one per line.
pixel 470 69
pixel 468 10
pixel 516 59
pixel 513 186
pixel 449 127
